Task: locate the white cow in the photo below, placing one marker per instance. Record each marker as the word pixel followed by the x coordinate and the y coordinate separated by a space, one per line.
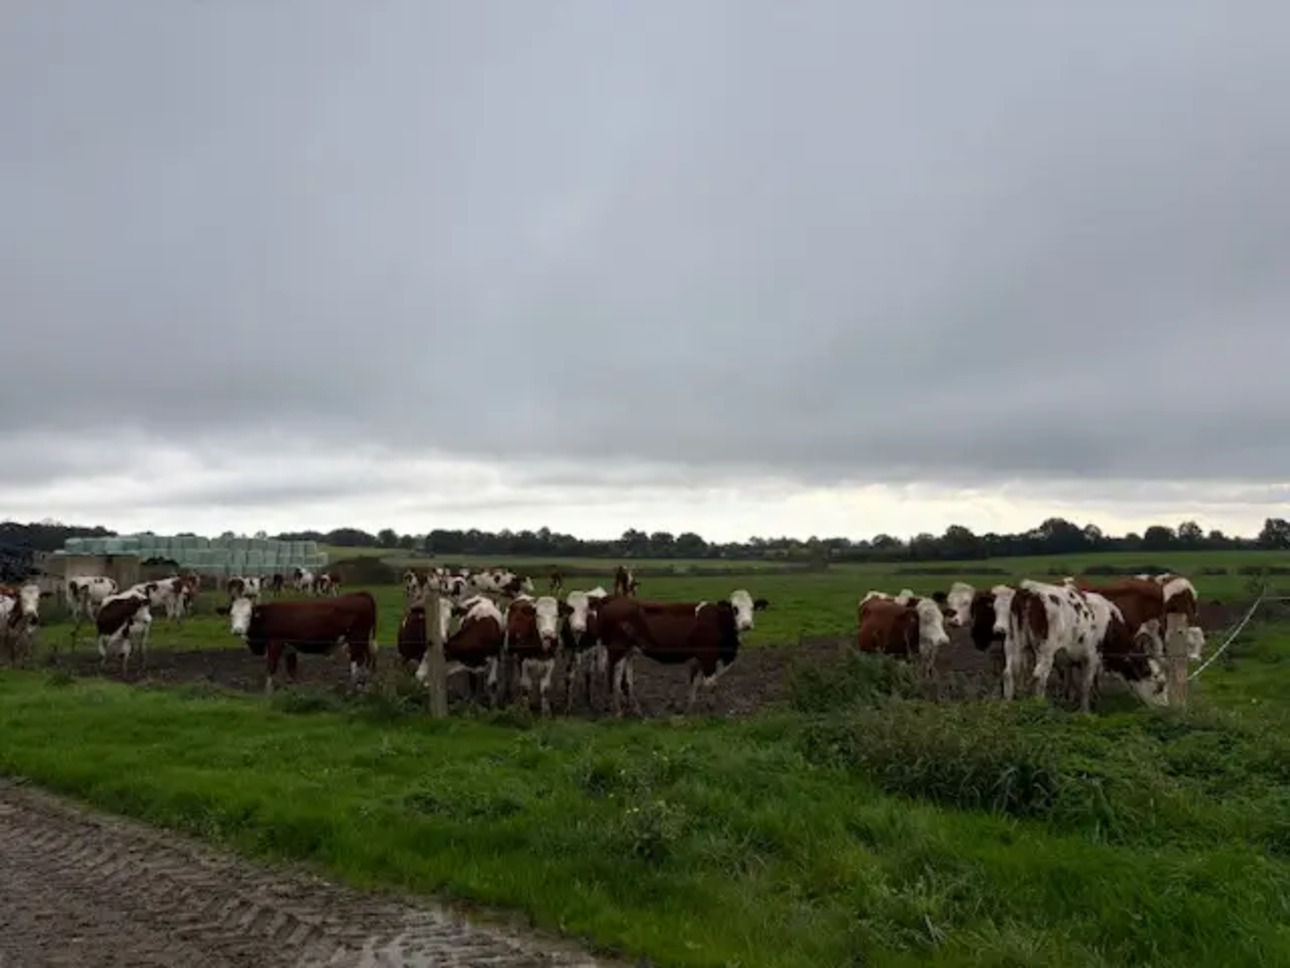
pixel 85 594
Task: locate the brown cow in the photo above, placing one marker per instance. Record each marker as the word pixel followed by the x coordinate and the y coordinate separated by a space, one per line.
pixel 625 582
pixel 475 648
pixel 1152 605
pixel 124 620
pixel 533 639
pixel 704 635
pixel 907 626
pixel 314 627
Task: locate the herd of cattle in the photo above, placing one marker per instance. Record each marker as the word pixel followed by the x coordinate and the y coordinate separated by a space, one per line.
pixel 494 628
pixel 1121 627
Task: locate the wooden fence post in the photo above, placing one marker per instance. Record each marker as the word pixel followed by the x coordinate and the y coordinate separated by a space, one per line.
pixel 1176 659
pixel 436 682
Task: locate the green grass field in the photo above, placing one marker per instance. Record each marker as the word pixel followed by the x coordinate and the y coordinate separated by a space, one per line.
pixel 854 826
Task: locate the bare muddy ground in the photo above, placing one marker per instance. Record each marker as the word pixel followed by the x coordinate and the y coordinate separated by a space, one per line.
pixel 81 889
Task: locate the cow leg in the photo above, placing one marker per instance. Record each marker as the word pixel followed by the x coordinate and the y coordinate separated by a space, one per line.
pixel 544 684
pixel 272 655
pixel 293 664
pixel 526 683
pixel 494 665
pixel 1043 666
pixel 573 662
pixel 696 679
pixel 103 642
pixel 1087 680
pixel 1009 672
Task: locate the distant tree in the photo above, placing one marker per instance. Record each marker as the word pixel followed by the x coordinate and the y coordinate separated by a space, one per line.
pixel 1275 534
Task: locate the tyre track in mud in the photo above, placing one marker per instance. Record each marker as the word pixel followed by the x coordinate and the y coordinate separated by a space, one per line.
pixel 79 889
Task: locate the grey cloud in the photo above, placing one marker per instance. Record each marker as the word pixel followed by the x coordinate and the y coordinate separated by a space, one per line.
pixel 829 241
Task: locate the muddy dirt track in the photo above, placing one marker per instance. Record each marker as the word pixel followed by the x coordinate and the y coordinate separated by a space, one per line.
pixel 81 889
pixel 757 678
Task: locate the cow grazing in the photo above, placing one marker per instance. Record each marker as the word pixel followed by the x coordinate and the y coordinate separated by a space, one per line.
pixel 124 621
pixel 327 583
pixel 19 618
pixel 704 635
pixel 580 641
pixel 86 594
pixel 625 582
pixel 274 629
pixel 1046 620
pixel 906 626
pixel 533 639
pixel 476 646
pixel 1151 606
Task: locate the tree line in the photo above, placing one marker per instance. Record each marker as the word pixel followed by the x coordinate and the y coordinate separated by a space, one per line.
pixel 1055 536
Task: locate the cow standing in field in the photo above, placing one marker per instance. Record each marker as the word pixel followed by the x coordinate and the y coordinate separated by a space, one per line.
pixel 1045 620
pixel 276 583
pixel 476 646
pixel 625 582
pixel 303 581
pixel 906 625
pixel 704 635
pixel 414 630
pixel 533 639
pixel 556 583
pixel 124 621
pixel 243 586
pixel 327 583
pixel 86 594
pixel 1152 605
pixel 314 627
pixel 172 595
pixel 580 641
pixel 19 619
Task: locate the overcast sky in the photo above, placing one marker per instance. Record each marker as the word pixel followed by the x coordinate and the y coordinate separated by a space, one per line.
pixel 733 267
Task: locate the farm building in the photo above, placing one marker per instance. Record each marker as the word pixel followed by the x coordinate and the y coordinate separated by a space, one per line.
pixel 209 556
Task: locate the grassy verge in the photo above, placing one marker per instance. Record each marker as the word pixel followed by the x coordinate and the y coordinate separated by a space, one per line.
pixel 857 828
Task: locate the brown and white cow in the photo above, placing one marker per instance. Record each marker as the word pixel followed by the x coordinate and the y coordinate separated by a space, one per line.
pixel 1153 605
pixel 327 583
pixel 476 646
pixel 580 641
pixel 533 640
pixel 86 593
pixel 302 579
pixel 313 627
pixel 414 631
pixel 1046 620
pixel 124 621
pixel 414 583
pixel 172 595
pixel 704 635
pixel 20 618
pixel 625 582
pixel 905 625
pixel 243 586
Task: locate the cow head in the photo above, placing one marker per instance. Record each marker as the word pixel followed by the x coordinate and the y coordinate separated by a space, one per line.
pixel 958 603
pixel 27 606
pixel 931 625
pixel 1153 687
pixel 547 619
pixel 240 612
pixel 1003 596
pixel 577 606
pixel 743 606
pixel 981 621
